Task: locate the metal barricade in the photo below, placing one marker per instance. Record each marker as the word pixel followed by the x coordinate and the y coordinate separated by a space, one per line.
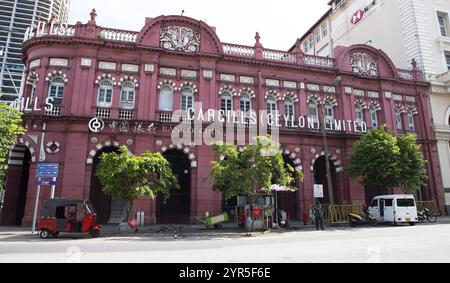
pixel 430 205
pixel 338 214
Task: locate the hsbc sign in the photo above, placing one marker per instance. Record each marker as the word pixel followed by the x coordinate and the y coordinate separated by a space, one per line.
pixel 358 15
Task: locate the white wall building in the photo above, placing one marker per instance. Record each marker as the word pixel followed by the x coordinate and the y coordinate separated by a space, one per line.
pixel 15 17
pixel 404 29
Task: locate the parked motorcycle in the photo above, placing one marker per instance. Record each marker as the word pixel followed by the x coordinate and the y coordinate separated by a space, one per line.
pixel 357 219
pixel 425 214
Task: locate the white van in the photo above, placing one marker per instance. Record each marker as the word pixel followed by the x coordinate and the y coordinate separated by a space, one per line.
pixel 394 209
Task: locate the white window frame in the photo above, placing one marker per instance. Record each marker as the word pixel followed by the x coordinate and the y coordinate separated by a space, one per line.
pixel 59 84
pixel 110 87
pixel 312 105
pixel 226 99
pixel 187 99
pixel 398 120
pixel 374 118
pixel 289 109
pixel 442 26
pixel 411 121
pixel 127 95
pixel 359 113
pixel 165 98
pixel 245 103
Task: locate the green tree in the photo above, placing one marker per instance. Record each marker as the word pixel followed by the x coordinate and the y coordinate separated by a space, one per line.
pixel 381 160
pixel 132 177
pixel 251 171
pixel 413 174
pixel 10 129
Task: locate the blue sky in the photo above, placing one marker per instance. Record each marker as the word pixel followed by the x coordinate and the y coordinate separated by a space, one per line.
pixel 279 22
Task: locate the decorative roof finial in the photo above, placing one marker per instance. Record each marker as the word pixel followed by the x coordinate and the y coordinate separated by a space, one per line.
pixel 414 63
pixel 258 38
pixel 93 15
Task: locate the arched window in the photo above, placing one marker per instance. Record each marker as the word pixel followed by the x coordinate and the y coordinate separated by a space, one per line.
pixel 33 90
pixel 313 110
pixel 56 90
pixel 359 113
pixel 289 108
pixel 329 112
pixel 226 102
pixel 271 106
pixel 411 123
pixel 166 98
pixel 398 119
pixel 187 99
pixel 127 95
pixel 373 117
pixel 105 91
pixel 246 103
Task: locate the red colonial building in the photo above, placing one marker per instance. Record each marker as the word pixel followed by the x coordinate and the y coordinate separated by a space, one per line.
pixel 134 81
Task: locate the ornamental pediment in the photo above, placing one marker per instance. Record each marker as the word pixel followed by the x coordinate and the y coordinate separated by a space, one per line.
pixel 364 64
pixel 180 38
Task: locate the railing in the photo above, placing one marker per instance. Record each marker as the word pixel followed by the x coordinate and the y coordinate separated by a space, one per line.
pixel 43 28
pixel 239 50
pixel 55 111
pixel 118 35
pixel 279 56
pixel 126 115
pixel 338 214
pixel 319 61
pixel 103 113
pixel 405 74
pixel 165 117
pixel 430 205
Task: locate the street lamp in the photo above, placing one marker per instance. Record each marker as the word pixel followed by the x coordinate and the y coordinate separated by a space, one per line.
pixel 336 81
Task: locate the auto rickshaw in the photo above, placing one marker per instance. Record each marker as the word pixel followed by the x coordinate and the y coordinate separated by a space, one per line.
pixel 71 216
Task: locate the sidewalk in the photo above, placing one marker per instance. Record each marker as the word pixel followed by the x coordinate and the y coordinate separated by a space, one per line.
pixel 229 230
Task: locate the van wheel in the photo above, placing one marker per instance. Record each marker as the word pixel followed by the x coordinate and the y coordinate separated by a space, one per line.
pixel 44 234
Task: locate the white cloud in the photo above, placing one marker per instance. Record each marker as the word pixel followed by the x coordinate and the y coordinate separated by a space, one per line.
pixel 279 22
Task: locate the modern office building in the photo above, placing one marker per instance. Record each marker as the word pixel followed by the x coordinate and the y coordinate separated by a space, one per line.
pixel 406 30
pixel 15 17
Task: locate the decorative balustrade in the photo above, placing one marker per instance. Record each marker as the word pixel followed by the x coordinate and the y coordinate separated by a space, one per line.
pixel 279 56
pixel 239 50
pixel 319 61
pixel 405 74
pixel 118 35
pixel 165 117
pixel 126 115
pixel 55 111
pixel 42 28
pixel 103 113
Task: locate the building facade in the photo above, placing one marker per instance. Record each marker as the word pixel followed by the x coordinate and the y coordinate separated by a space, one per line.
pixel 114 88
pixel 15 17
pixel 406 30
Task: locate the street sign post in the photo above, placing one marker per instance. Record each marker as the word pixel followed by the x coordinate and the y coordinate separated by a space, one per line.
pixel 44 170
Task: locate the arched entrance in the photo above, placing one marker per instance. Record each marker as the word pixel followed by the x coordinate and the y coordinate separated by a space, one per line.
pixel 108 210
pixel 288 201
pixel 176 209
pixel 16 186
pixel 320 178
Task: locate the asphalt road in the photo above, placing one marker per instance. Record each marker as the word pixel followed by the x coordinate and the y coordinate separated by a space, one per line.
pixel 421 243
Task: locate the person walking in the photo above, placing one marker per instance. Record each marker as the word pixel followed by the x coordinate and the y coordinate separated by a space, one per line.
pixel 318 215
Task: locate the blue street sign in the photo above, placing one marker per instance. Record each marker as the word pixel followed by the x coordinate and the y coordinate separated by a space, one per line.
pixel 45 183
pixel 47 170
